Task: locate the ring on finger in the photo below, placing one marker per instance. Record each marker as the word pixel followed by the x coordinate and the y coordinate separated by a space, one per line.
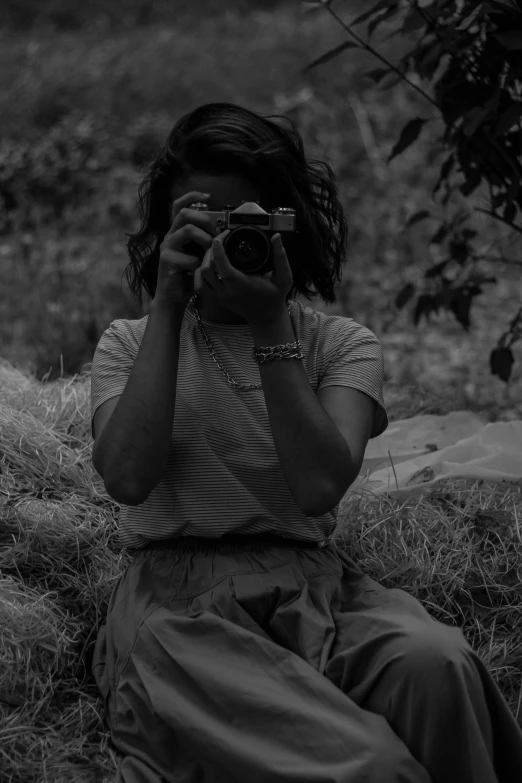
pixel 217 274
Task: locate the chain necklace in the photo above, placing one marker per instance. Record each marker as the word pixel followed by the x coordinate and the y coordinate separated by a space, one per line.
pixel 231 381
pixel 245 386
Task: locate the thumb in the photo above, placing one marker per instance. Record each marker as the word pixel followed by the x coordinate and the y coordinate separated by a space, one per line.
pixel 198 280
pixel 198 273
pixel 282 270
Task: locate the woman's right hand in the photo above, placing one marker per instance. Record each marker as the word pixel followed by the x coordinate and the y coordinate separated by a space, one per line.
pixel 175 284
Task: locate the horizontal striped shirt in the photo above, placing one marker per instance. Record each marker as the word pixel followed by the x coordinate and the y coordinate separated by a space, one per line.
pixel 223 473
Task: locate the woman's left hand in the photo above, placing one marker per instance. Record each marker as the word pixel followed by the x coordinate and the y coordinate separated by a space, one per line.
pixel 253 297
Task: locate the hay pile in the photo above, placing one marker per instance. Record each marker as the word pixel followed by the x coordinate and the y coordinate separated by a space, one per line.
pixel 59 557
pixel 459 550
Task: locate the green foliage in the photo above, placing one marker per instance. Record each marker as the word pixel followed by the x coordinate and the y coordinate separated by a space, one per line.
pixel 72 15
pixel 44 178
pixel 63 280
pixel 470 52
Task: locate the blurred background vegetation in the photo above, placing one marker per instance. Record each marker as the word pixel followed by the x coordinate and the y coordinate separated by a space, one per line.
pixel 88 93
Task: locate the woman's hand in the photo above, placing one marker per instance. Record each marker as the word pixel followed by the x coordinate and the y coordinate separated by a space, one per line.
pixel 175 283
pixel 256 298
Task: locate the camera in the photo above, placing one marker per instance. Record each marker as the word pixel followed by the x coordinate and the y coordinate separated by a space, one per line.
pixel 248 244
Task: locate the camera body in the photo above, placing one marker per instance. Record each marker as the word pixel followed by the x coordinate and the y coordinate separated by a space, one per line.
pixel 251 227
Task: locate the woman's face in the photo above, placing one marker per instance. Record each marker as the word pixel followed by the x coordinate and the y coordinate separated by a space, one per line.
pixel 225 190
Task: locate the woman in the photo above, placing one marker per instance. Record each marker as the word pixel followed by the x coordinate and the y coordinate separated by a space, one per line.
pixel 240 644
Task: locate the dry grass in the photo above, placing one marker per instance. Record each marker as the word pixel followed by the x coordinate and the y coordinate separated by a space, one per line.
pixel 458 550
pixel 59 557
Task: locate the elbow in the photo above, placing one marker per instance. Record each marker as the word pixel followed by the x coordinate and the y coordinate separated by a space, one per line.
pixel 318 506
pixel 119 495
pixel 113 486
pixel 318 509
pixel 124 497
pixel 327 500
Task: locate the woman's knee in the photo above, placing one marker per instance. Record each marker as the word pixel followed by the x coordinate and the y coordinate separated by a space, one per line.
pixel 426 649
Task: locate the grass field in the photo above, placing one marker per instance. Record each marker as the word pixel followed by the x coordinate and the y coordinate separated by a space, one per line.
pixel 118 85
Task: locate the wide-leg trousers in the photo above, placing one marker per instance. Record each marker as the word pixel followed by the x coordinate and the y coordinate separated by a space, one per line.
pixel 255 659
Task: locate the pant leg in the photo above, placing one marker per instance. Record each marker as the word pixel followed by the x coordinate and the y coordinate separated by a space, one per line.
pixel 199 692
pixel 391 657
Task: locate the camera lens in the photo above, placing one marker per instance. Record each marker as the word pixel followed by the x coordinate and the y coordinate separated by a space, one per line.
pixel 248 250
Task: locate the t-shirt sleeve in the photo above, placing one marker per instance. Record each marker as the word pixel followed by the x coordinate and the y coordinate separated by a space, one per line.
pixel 352 356
pixel 111 365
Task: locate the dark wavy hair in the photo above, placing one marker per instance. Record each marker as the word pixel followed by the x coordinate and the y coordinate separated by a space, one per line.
pixel 224 138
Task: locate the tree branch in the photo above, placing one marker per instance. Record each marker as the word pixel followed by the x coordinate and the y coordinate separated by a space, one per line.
pixel 518 229
pixel 380 57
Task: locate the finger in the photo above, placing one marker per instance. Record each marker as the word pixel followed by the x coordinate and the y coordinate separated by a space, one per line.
pixel 187 199
pixel 220 258
pixel 200 281
pixel 282 269
pixel 206 265
pixel 205 272
pixel 185 238
pixel 184 201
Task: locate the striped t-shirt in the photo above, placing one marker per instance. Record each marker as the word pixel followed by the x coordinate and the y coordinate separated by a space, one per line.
pixel 223 473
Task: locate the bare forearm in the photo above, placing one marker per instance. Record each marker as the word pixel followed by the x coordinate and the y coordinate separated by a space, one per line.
pixel 134 445
pixel 313 453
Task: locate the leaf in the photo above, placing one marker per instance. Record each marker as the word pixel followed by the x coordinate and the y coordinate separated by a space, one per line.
pixel 409 133
pixel 472 182
pixel 381 73
pixel 377 7
pixel 477 278
pixel 380 19
pixel 427 58
pixel 512 39
pixel 500 362
pixel 331 54
pixel 437 270
pixel 512 191
pixel 470 16
pixel 444 172
pixel 459 251
pixel 460 218
pixel 378 74
pixel 404 295
pixel 510 4
pixel 510 212
pixel 417 217
pixel 509 118
pixel 414 21
pixel 460 306
pixel 387 86
pixel 310 6
pixel 473 119
pixel 440 235
pixel 426 304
